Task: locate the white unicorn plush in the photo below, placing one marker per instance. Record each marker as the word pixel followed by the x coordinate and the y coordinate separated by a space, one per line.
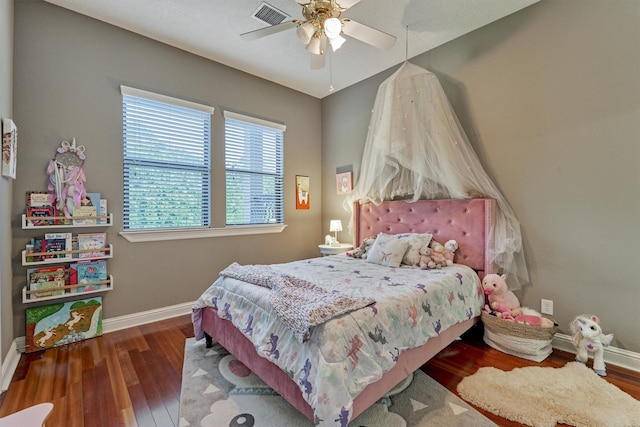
pixel 588 337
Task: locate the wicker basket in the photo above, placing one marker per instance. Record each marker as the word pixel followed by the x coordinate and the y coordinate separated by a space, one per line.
pixel 518 339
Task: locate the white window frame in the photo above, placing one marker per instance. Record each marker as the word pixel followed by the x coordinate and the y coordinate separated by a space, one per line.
pixel 253 168
pixel 153 235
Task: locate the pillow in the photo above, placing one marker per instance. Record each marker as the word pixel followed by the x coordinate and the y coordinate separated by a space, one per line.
pixel 387 250
pixel 415 241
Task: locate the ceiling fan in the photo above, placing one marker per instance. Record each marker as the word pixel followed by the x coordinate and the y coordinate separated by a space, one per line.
pixel 322 24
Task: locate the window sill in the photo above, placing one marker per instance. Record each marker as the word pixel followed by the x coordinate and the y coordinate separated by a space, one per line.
pixel 161 235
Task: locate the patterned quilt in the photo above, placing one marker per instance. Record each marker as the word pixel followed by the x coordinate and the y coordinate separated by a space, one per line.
pixel 348 352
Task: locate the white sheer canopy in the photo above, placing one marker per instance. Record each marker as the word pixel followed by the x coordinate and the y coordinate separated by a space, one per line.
pixel 417 149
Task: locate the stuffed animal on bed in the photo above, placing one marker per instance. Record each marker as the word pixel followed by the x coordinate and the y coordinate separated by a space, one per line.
pixel 501 299
pixel 425 262
pixel 589 338
pixel 450 248
pixel 438 255
pixel 361 251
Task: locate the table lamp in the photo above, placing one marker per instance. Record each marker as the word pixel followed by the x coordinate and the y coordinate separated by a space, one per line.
pixel 335 225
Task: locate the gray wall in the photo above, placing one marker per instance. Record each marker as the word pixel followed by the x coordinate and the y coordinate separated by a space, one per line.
pixel 550 98
pixel 6 185
pixel 68 72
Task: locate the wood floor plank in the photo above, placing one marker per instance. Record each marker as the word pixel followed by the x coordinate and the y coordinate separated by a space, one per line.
pixel 132 377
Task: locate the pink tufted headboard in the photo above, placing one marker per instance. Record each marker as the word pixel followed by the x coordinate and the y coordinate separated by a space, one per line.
pixel 468 221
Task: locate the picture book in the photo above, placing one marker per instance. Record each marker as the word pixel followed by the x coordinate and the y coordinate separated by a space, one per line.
pixel 39 198
pixel 46 279
pixel 56 242
pixel 35 246
pixel 88 244
pixel 103 211
pixel 89 206
pixel 46 212
pixel 73 277
pixel 90 272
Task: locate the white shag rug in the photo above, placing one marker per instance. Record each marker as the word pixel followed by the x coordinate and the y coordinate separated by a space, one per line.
pixel 542 397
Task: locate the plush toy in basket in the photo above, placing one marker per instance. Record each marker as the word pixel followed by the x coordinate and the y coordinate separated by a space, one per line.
pixel 587 337
pixel 510 328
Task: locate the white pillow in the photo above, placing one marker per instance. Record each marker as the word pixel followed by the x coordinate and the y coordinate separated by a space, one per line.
pixel 416 241
pixel 387 250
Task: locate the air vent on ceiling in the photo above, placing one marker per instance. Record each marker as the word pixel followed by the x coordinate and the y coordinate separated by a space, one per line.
pixel 269 14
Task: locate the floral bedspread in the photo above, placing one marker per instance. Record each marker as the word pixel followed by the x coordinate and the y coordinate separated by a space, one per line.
pixel 349 352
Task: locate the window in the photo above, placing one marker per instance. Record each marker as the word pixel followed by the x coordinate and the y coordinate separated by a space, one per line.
pixel 167 161
pixel 254 170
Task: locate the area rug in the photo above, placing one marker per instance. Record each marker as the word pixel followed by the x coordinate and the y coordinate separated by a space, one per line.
pixel 541 397
pixel 217 390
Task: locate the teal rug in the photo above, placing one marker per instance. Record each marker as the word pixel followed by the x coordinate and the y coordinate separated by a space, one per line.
pixel 218 391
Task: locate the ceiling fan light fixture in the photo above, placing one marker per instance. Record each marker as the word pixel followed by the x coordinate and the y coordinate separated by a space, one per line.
pixel 332 28
pixel 314 46
pixel 305 32
pixel 336 42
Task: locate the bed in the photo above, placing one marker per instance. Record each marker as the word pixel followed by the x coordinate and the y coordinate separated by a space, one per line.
pixel 332 381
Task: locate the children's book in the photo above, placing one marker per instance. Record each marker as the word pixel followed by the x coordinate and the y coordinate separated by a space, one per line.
pixel 89 206
pixel 35 246
pixel 46 279
pixel 46 212
pixel 39 198
pixel 90 242
pixel 90 272
pixel 103 211
pixel 56 242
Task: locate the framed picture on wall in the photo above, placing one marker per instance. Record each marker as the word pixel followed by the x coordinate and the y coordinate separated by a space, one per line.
pixel 9 148
pixel 302 192
pixel 344 182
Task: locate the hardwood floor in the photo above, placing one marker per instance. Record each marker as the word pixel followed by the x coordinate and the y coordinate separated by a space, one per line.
pixel 133 377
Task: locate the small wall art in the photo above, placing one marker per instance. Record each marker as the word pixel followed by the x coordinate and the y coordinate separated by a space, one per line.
pixel 62 323
pixel 344 182
pixel 9 148
pixel 302 192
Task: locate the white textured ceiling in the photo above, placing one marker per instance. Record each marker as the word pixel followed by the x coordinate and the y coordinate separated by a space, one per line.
pixel 211 29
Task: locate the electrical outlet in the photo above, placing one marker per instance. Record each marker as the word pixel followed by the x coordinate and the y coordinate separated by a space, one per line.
pixel 546 306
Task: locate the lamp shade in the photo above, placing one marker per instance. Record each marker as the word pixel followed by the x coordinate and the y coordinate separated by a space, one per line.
pixel 336 42
pixel 335 225
pixel 314 46
pixel 332 27
pixel 305 32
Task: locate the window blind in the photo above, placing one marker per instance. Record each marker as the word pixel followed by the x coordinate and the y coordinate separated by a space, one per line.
pixel 167 162
pixel 254 170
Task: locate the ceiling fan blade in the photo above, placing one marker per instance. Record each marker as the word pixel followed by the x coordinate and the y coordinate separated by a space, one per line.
pixel 346 4
pixel 274 29
pixel 368 34
pixel 317 61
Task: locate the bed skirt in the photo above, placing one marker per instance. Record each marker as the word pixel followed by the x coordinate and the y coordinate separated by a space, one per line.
pixel 225 333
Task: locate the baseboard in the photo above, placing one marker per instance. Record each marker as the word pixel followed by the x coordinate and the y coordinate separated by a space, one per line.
pixel 10 363
pixel 612 355
pixel 136 319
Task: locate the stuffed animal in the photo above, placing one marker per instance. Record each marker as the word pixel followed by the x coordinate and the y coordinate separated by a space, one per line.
pixel 425 262
pixel 450 248
pixel 361 251
pixel 438 254
pixel 500 298
pixel 588 337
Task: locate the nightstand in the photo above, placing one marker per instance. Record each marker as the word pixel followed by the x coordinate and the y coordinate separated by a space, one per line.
pixel 334 250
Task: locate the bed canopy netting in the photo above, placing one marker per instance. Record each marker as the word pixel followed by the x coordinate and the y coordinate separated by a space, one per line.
pixel 417 149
